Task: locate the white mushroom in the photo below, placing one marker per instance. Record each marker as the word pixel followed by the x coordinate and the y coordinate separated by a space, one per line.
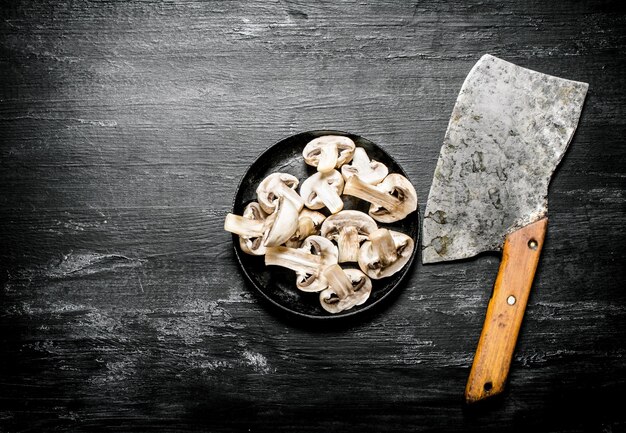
pixel 255 228
pixel 385 253
pixel 309 261
pixel 309 223
pixel 328 152
pixel 372 172
pixel 323 189
pixel 250 227
pixel 278 185
pixel 284 223
pixel 349 228
pixel 346 288
pixel 392 199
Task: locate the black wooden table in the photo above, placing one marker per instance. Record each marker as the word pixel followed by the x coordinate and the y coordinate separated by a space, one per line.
pixel 125 128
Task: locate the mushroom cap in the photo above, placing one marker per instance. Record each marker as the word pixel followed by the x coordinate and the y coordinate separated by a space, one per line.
pixel 317 218
pixel 369 171
pixel 332 301
pixel 253 245
pixel 333 150
pixel 309 223
pixel 332 226
pixel 319 246
pixel 313 191
pixel 400 187
pixel 348 228
pixel 274 186
pixel 372 264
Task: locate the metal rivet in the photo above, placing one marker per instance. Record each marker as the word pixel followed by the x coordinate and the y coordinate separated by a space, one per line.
pixel 511 300
pixel 533 244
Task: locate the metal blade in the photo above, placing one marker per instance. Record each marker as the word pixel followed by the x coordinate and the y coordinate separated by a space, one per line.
pixel 508 131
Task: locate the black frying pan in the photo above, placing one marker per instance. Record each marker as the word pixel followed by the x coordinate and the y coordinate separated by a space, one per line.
pixel 278 285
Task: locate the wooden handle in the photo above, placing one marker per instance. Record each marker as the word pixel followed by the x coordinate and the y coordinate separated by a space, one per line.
pixel 505 312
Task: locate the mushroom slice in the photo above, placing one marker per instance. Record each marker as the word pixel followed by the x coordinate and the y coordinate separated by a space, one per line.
pixel 278 185
pixel 250 227
pixel 323 189
pixel 324 248
pixel 392 199
pixel 372 172
pixel 309 261
pixel 349 228
pixel 309 223
pixel 283 223
pixel 346 288
pixel 385 253
pixel 328 152
pixel 257 230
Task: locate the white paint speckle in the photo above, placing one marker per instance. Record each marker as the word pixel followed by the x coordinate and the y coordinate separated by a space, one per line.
pixel 98 122
pixel 257 361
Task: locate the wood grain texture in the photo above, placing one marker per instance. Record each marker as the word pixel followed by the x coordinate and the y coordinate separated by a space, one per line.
pixel 505 312
pixel 125 128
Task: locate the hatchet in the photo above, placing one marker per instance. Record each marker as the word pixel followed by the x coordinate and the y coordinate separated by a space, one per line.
pixel 509 129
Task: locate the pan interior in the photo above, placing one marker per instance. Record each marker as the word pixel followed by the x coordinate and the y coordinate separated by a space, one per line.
pixel 278 285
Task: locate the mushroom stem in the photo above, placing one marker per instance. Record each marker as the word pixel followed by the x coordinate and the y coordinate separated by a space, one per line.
pixel 372 172
pixel 283 190
pixel 348 244
pixel 329 197
pixel 285 223
pixel 338 281
pixel 361 164
pixel 360 159
pixel 328 158
pixel 294 259
pixel 357 188
pixel 345 289
pixel 383 246
pixel 245 227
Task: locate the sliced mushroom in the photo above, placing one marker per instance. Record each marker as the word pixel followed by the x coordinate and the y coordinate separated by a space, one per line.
pixel 250 227
pixel 256 229
pixel 309 223
pixel 385 253
pixel 283 223
pixel 309 261
pixel 323 189
pixel 328 152
pixel 372 172
pixel 349 228
pixel 278 185
pixel 346 288
pixel 392 199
